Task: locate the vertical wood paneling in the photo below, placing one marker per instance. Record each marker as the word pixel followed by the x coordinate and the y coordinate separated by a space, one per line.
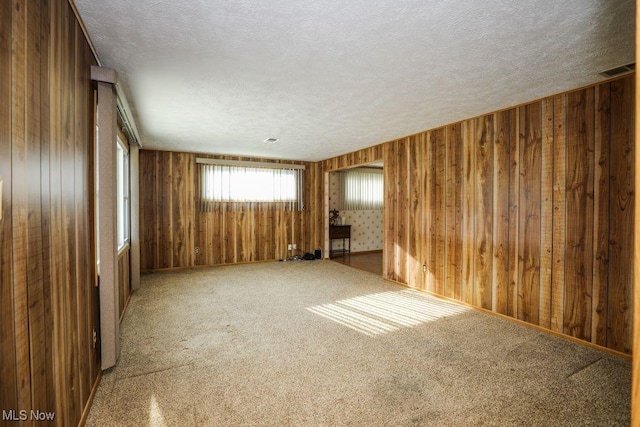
pixel 389 254
pixel 528 223
pixel 453 214
pixel 530 117
pixel 601 215
pixel 45 200
pixel 189 207
pixel 579 225
pixel 56 197
pixel 172 224
pixel 215 236
pixel 178 219
pixel 402 212
pixel 428 209
pixel 35 280
pixel 416 225
pixel 438 219
pixel 468 214
pixel 621 216
pixel 9 393
pixel 500 268
pixel 482 207
pixel 546 213
pixel 19 203
pixel 514 213
pixel 46 233
pixel 68 136
pixel 520 212
pixel 559 212
pixel 148 209
pixel 166 229
pixel 635 371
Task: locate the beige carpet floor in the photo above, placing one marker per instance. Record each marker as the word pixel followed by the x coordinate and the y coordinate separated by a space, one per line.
pixel 320 343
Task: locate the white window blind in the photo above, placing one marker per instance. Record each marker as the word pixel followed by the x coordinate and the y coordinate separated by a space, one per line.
pixel 361 189
pixel 248 184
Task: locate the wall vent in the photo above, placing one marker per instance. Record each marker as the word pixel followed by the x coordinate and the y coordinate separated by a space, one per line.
pixel 617 71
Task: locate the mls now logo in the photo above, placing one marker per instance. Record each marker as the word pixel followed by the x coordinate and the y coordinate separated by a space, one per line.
pixel 24 415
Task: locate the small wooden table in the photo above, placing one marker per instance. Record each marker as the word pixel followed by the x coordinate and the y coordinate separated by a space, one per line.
pixel 339 232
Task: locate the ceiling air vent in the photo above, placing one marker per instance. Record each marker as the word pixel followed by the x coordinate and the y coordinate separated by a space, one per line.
pixel 271 140
pixel 619 70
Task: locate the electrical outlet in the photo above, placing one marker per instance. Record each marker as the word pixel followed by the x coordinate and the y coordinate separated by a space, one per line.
pixel 424 268
pixel 290 246
pixel 197 250
pixel 95 337
pixel 295 246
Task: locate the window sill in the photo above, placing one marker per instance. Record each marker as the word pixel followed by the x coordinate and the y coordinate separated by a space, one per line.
pixel 123 249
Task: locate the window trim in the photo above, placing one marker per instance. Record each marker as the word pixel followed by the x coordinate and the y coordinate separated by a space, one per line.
pixel 126 196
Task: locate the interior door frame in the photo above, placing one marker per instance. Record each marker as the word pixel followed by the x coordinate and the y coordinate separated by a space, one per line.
pixel 325 205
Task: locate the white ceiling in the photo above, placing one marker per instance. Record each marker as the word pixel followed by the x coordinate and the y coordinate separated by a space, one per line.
pixel 332 76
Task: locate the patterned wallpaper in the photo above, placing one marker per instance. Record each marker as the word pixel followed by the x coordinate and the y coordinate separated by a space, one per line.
pixel 366 226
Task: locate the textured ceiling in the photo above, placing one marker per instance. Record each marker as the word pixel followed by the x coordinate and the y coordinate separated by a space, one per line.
pixel 332 76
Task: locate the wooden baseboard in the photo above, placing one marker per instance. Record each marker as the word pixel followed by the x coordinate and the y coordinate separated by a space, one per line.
pixel 158 270
pixel 126 305
pixel 518 321
pixel 87 406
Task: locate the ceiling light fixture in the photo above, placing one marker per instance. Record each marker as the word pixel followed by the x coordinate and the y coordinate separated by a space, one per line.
pixel 271 140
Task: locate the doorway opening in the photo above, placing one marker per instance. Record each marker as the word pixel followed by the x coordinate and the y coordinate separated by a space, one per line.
pixel 354 203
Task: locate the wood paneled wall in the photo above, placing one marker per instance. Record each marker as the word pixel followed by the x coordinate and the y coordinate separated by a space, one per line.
pixel 124 280
pixel 172 226
pixel 527 212
pixel 47 256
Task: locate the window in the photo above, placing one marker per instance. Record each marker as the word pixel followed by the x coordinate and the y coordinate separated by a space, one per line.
pixel 361 189
pixel 248 183
pixel 122 194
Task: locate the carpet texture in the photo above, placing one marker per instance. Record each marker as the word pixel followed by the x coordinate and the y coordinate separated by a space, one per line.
pixel 319 343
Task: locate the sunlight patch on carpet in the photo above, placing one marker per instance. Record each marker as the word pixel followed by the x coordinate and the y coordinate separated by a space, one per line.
pixel 385 312
pixel 156 415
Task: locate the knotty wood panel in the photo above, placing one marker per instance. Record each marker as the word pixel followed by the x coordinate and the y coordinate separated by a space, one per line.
pixel 437 255
pixel 416 223
pixel 530 118
pixel 559 212
pixel 172 226
pixel 546 212
pixel 500 268
pixel 453 214
pixel 579 205
pixel 468 215
pixel 514 214
pixel 621 215
pixel 601 214
pixel 483 206
pixel 537 211
pixel 47 256
pixel 402 211
pixel 389 217
pixel 426 213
